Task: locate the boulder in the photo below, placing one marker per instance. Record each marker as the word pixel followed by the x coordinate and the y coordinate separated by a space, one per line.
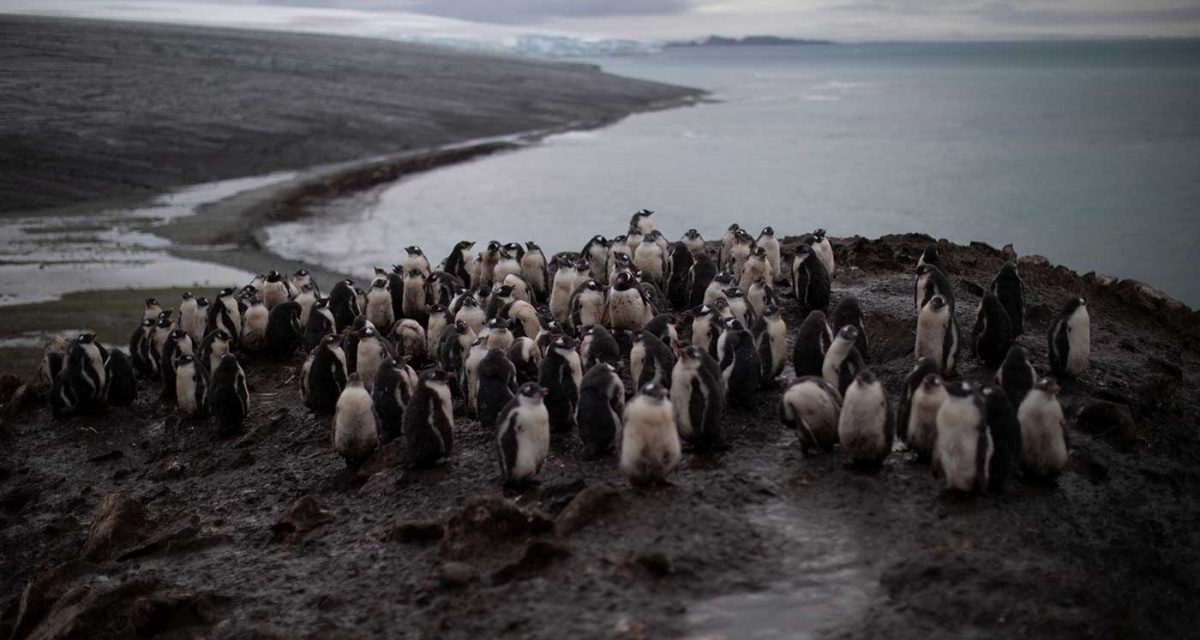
pixel 119 524
pixel 303 516
pixel 593 502
pixel 455 575
pixel 539 556
pixel 1109 421
pixel 485 521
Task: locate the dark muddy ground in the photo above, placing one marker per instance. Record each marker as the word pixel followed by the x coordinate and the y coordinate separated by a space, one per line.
pixel 754 542
pixel 95 109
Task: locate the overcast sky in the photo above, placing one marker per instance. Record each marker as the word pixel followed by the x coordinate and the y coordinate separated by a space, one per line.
pixel 837 19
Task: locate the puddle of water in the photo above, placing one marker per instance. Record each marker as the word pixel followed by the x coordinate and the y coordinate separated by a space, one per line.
pixel 828 586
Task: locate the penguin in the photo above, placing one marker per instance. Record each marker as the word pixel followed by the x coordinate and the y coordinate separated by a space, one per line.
pixel 601 408
pixel 497 384
pixel 1043 431
pixel 439 318
pixel 509 263
pixel 324 375
pixel 650 259
pixel 320 323
pixel 650 447
pixel 225 314
pixel 460 256
pixel 598 345
pixel 550 331
pixel 158 340
pixel 937 335
pixel 842 362
pixel 727 241
pixel 773 250
pixel 283 330
pixel 301 279
pixel 931 281
pixel 739 253
pixel 740 367
pixel 191 381
pixel 395 290
pixel 254 325
pixel 54 359
pixel 355 425
pixel 1070 339
pixel 488 259
pixel 663 327
pixel 812 341
pixel 810 280
pixel 865 425
pixel 700 277
pixel 440 288
pixel 811 408
pixel 717 287
pixel 963 444
pixel 641 221
pixel 228 396
pixel 394 385
pixel 499 335
pixel 468 377
pixel 693 241
pixel 1016 375
pixel 848 312
pixel 151 310
pixel 526 357
pixel 79 385
pixel 518 290
pixel 119 379
pixel 409 341
pixel 627 308
pixel 360 295
pixel 632 239
pixel 596 253
pixel 178 343
pixel 523 435
pixel 562 289
pixel 198 327
pixel 471 313
pixel 757 266
pixel 139 349
pixel 535 272
pixel 650 360
pixel 770 336
pixel 560 374
pixel 698 396
pixel 216 344
pixel 912 382
pixel 343 304
pixel 1010 290
pixel 824 250
pixel 429 420
pixel 992 334
pixel 274 291
pixel 187 311
pixel 1005 430
pixel 371 351
pixel 454 345
pixel 921 428
pixel 587 305
pixel 413 302
pixel 759 295
pixel 930 256
pixel 679 264
pixel 706 329
pixel 523 318
pixel 739 307
pixel 379 305
pixel 653 296
pixel 415 260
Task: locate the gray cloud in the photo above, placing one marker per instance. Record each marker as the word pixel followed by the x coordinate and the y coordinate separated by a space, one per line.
pixel 508 11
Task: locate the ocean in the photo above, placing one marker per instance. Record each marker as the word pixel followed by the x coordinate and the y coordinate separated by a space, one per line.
pixel 1085 152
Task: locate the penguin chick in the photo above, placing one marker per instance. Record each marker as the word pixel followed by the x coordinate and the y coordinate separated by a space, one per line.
pixel 698 396
pixel 650 448
pixel 151 309
pixel 650 360
pixel 1005 430
pixel 283 330
pixel 320 323
pixel 1070 339
pixel 770 335
pixel 824 250
pixel 812 341
pixel 225 314
pixel 727 241
pixel 937 335
pixel 79 385
pixel 706 329
pixel 371 351
pixel 1016 375
pixel 626 307
pixel 842 361
pixel 992 334
pixel 916 376
pixel 394 385
pixel 535 272
pixel 849 312
pixel 679 263
pixel 963 448
pixel 810 280
pixel 930 282
pixel 139 352
pixel 343 304
pixel 355 425
pixel 177 343
pixel 865 426
pixel 740 367
pixel 228 395
pixel 921 426
pixel 1043 431
pixel 496 386
pixel 274 291
pixel 598 345
pixel 929 256
pixel 600 409
pixel 641 221
pixel 700 277
pixel 409 341
pixel 191 381
pixel 526 357
pixel 1010 290
pixel 523 435
pixel 254 325
pixel 120 380
pixel 560 374
pixel 811 408
pixel 324 375
pixel 429 420
pixel 379 304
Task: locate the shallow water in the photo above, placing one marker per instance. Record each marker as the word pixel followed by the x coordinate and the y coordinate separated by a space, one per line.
pixel 1084 152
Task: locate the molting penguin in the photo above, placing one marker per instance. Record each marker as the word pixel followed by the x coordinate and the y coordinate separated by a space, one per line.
pixel 324 375
pixel 930 282
pixel 921 419
pixel 497 384
pixel 770 336
pixel 198 327
pixel 842 362
pixel 499 335
pixel 343 304
pixel 627 307
pixel 409 341
pixel 811 407
pixel 355 425
pixel 698 396
pixel 225 314
pixel 739 307
pixel 320 323
pixel 523 435
pixel 274 291
pixel 54 359
pixel 120 380
pixel 283 330
pixel 739 253
pixel 254 325
pixel 1043 431
pixel 454 346
pixel 191 380
pixel 740 366
pixel 587 304
pixel 865 426
pixel 912 382
pixel 595 252
pixel 439 318
pixel 488 259
pixel 560 375
pixel 706 329
pixel 79 385
pixel 526 357
pixel 650 360
pixel 824 250
pixel 598 345
pixel 774 251
pixel 650 448
pixel 848 312
pixel 394 385
pixel 937 335
pixel 1010 290
pixel 562 288
pixel 379 304
pixel 600 409
pixel 371 351
pixel 1070 339
pixel 812 341
pixel 301 279
pixel 151 310
pixel 992 334
pixel 429 420
pixel 759 295
pixel 757 266
pixel 523 318
pixel 456 263
pixel 650 259
pixel 700 276
pixel 664 327
pixel 1005 430
pixel 535 272
pixel 727 241
pixel 963 449
pixel 415 260
pixel 468 377
pixel 510 262
pixel 216 344
pixel 810 280
pixel 1016 376
pixel 641 221
pixel 414 299
pixel 470 312
pixel 228 395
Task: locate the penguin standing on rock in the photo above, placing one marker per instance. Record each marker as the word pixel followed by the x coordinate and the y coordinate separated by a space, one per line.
pixel 355 425
pixel 429 420
pixel 1016 376
pixel 228 395
pixel 824 250
pixel 560 374
pixel 1043 431
pixel 937 335
pixel 931 281
pixel 842 362
pixel 324 375
pixel 497 384
pixel 1070 339
pixel 865 426
pixel 811 408
pixel 810 280
pixel 929 256
pixel 921 426
pixel 812 341
pixel 963 449
pixel 740 366
pixel 992 334
pixel 650 447
pixel 523 435
pixel 1010 290
pixel 191 381
pixel 650 360
pixel 600 409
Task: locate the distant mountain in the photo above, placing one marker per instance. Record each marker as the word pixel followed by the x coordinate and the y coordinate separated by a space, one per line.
pixel 757 41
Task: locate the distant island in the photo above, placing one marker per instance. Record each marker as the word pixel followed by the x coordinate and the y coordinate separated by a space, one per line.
pixel 721 41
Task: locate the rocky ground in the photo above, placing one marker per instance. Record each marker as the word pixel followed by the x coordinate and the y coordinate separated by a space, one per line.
pixel 137 523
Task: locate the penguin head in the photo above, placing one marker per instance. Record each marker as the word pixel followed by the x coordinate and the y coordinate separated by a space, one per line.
pixel 201 302
pixel 223 335
pixel 368 333
pixel 177 334
pixel 531 391
pixel 733 324
pixel 273 276
pixel 691 352
pixel 865 378
pixel 564 342
pixel 654 391
pixel 819 233
pixel 701 311
pixel 760 252
pixel 742 237
pixel 184 359
pixel 151 303
pixel 691 234
pixel 720 304
pixel 503 291
pixel 353 380
pixel 225 293
pixel 619 240
pixel 1073 305
pixel 1016 356
pixel 301 273
pixel 1009 270
pixel 86 337
pixel 623 260
pixel 496 324
pixel 349 282
pixel 164 320
pixel 582 266
pixel 530 245
pixel 723 277
pixel 734 228
pixel 254 300
pixel 848 332
pixel 460 326
pixel 625 280
pixel 493 247
pixel 1047 385
pixel 636 336
pixel 514 248
pixel 435 377
pixel 414 251
pixel 931 382
pixel 416 274
pixel 960 389
pixel 379 283
pixel 643 213
pixel 463 245
pixel 770 311
pixel 186 295
pixel 380 272
pixel 937 303
pixel 321 303
pixel 767 232
pixel 734 292
pixel 332 340
pixel 149 323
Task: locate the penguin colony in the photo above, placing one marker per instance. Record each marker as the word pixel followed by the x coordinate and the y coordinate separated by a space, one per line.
pixel 592 346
